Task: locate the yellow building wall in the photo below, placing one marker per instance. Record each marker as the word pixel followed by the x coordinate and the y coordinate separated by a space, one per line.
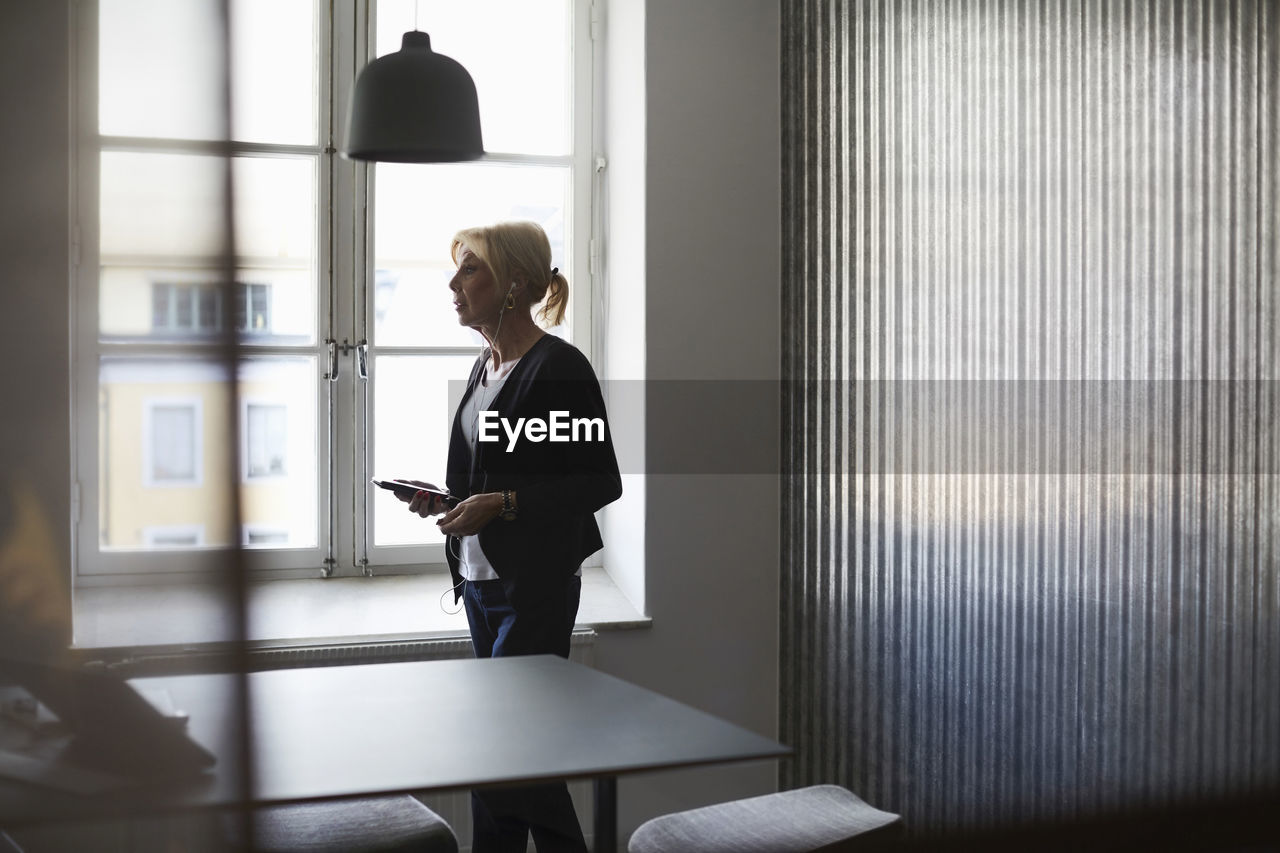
pixel 129 504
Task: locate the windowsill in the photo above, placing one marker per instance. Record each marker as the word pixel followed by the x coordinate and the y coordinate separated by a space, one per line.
pixel 286 613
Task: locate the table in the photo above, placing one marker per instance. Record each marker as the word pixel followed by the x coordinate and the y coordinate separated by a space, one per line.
pixel 331 732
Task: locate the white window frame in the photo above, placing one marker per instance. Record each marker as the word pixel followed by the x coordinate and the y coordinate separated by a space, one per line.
pixel 93 564
pixel 343 416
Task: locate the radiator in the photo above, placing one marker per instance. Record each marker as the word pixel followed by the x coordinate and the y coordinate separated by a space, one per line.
pixel 135 664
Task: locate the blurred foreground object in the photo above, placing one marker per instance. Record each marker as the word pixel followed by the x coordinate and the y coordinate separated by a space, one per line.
pixel 35 603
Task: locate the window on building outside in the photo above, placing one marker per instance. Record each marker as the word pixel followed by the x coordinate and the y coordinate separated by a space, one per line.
pixel 175 536
pixel 196 309
pixel 171 432
pixel 347 337
pixel 267 439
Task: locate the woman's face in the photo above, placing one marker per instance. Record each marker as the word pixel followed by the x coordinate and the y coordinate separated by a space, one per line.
pixel 476 296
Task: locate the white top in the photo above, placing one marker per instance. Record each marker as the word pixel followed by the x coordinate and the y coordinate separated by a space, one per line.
pixel 474 565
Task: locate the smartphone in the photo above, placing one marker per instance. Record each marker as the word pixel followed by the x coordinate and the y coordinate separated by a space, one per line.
pixel 409 490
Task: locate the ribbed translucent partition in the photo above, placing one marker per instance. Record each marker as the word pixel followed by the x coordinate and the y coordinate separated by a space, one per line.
pixel 1031 315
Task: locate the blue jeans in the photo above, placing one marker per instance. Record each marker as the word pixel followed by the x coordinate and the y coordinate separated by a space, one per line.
pixel 503 818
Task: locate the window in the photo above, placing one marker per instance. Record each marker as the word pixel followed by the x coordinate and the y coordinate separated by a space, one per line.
pixel 173 536
pixel 196 309
pixel 339 298
pixel 172 443
pixel 266 427
pixel 258 536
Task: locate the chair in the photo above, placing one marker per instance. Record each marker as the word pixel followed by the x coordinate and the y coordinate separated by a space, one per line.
pixel 396 824
pixel 822 817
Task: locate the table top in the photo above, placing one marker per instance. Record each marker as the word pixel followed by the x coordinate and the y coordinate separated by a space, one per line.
pixel 327 732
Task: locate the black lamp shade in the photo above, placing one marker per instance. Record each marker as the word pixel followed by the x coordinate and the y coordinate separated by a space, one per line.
pixel 414 106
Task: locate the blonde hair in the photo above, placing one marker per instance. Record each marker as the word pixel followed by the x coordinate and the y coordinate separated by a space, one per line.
pixel 519 250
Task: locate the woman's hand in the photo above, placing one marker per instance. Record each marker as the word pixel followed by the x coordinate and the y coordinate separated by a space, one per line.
pixel 468 517
pixel 423 503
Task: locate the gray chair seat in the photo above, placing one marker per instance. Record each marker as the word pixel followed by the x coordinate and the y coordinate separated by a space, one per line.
pixel 806 819
pixel 399 824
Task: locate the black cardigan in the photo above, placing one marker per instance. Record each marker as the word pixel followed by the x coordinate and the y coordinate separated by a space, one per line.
pixel 558 485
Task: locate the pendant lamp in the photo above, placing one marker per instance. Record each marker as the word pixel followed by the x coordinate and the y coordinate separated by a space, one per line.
pixel 414 106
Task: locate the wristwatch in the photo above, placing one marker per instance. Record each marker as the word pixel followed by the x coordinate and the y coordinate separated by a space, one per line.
pixel 509 511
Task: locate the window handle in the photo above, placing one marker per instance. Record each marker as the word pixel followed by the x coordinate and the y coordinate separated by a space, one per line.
pixel 362 360
pixel 332 374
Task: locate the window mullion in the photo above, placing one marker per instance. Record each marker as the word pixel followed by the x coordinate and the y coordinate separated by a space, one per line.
pixel 343 285
pixel 363 50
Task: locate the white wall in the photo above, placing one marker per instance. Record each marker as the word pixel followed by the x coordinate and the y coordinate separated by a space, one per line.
pixel 711 267
pixel 625 318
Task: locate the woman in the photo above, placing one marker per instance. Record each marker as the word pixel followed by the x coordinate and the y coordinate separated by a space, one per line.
pixel 517 538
